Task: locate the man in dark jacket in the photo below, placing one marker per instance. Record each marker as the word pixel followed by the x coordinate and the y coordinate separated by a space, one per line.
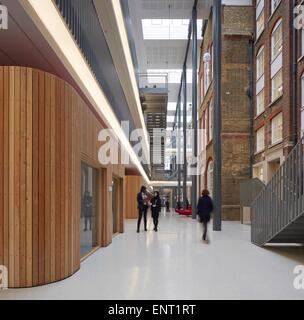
pixel 142 201
pixel 156 206
pixel 204 210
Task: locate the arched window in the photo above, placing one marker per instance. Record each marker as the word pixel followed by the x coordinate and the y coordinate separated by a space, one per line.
pixel 277 61
pixel 260 96
pixel 276 40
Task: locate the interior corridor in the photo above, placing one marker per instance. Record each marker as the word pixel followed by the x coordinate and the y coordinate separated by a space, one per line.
pixel 175 264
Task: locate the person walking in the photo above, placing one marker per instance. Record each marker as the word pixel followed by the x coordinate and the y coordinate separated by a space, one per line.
pixel 156 207
pixel 168 205
pixel 88 210
pixel 204 210
pixel 142 201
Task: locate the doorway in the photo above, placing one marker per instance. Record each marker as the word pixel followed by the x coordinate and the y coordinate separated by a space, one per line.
pixel 115 206
pixel 89 209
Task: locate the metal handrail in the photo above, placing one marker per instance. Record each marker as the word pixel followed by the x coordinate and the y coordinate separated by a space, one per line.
pixel 281 202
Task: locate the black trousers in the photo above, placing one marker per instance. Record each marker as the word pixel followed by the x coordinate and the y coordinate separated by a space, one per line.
pixel 155 216
pixel 142 213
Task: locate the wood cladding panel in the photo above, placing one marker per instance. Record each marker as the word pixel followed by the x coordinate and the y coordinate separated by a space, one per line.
pixel 45 131
pixel 132 187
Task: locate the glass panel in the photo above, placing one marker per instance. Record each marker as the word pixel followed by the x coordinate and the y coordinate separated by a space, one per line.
pixel 277 128
pixel 260 24
pixel 260 102
pixel 277 85
pixel 277 41
pixel 260 64
pixel 260 139
pixel 89 207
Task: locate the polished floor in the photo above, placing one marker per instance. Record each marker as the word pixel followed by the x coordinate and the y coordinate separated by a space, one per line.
pixel 175 264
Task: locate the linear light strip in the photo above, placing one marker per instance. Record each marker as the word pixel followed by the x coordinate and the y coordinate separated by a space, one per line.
pixel 48 14
pixel 126 48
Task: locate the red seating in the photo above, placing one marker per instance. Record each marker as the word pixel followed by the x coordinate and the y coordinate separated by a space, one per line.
pixel 184 212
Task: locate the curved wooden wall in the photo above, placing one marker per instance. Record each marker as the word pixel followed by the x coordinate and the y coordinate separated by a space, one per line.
pixel 41 118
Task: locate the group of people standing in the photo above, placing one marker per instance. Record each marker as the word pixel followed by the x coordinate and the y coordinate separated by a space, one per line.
pixel 143 206
pixel 204 209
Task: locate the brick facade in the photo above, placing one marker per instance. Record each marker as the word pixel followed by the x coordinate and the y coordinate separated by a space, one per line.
pixel 237 28
pixel 273 155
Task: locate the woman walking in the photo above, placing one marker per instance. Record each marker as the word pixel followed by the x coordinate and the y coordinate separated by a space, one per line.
pixel 142 200
pixel 205 208
pixel 156 206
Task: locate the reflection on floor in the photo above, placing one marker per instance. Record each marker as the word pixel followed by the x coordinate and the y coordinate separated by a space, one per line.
pixel 175 264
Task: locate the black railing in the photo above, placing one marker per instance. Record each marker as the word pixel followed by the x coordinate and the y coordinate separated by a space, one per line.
pixel 282 200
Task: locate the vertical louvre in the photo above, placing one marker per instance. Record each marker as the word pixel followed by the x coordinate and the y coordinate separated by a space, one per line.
pixel 282 201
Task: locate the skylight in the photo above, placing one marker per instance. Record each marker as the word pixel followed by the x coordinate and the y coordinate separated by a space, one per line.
pixel 168 29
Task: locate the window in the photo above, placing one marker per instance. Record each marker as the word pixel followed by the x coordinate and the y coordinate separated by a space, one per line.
pixel 277 85
pixel 211 121
pixel 212 62
pixel 277 129
pixel 276 40
pixel 260 102
pixel 202 89
pixel 260 82
pixel 274 5
pixel 260 23
pixel 206 76
pixel 260 63
pixel 260 144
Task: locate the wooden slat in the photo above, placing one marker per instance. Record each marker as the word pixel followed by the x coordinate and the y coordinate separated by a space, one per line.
pixel 6 173
pixel 23 126
pixel 17 178
pixel 11 177
pixel 47 184
pixel 35 190
pixel 66 184
pixel 1 167
pixel 41 178
pixel 62 182
pixel 58 180
pixel 53 179
pixel 70 176
pixel 29 181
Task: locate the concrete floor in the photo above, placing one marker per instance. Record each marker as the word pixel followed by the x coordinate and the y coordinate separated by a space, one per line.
pixel 175 264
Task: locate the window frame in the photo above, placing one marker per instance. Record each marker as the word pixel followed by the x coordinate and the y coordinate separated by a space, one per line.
pixel 278 26
pixel 274 130
pixel 258 150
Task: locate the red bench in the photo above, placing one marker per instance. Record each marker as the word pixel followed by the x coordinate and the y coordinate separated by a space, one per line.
pixel 184 212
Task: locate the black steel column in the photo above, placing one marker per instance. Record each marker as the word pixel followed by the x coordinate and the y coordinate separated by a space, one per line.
pixel 185 138
pixel 217 141
pixel 294 79
pixel 194 110
pixel 179 151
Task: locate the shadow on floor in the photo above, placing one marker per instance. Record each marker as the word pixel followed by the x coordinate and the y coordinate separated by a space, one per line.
pixel 293 252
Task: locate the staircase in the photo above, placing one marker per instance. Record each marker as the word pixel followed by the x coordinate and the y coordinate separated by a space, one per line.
pixel 278 212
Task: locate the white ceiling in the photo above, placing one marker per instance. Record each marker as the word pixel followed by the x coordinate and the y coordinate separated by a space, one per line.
pixel 164 54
